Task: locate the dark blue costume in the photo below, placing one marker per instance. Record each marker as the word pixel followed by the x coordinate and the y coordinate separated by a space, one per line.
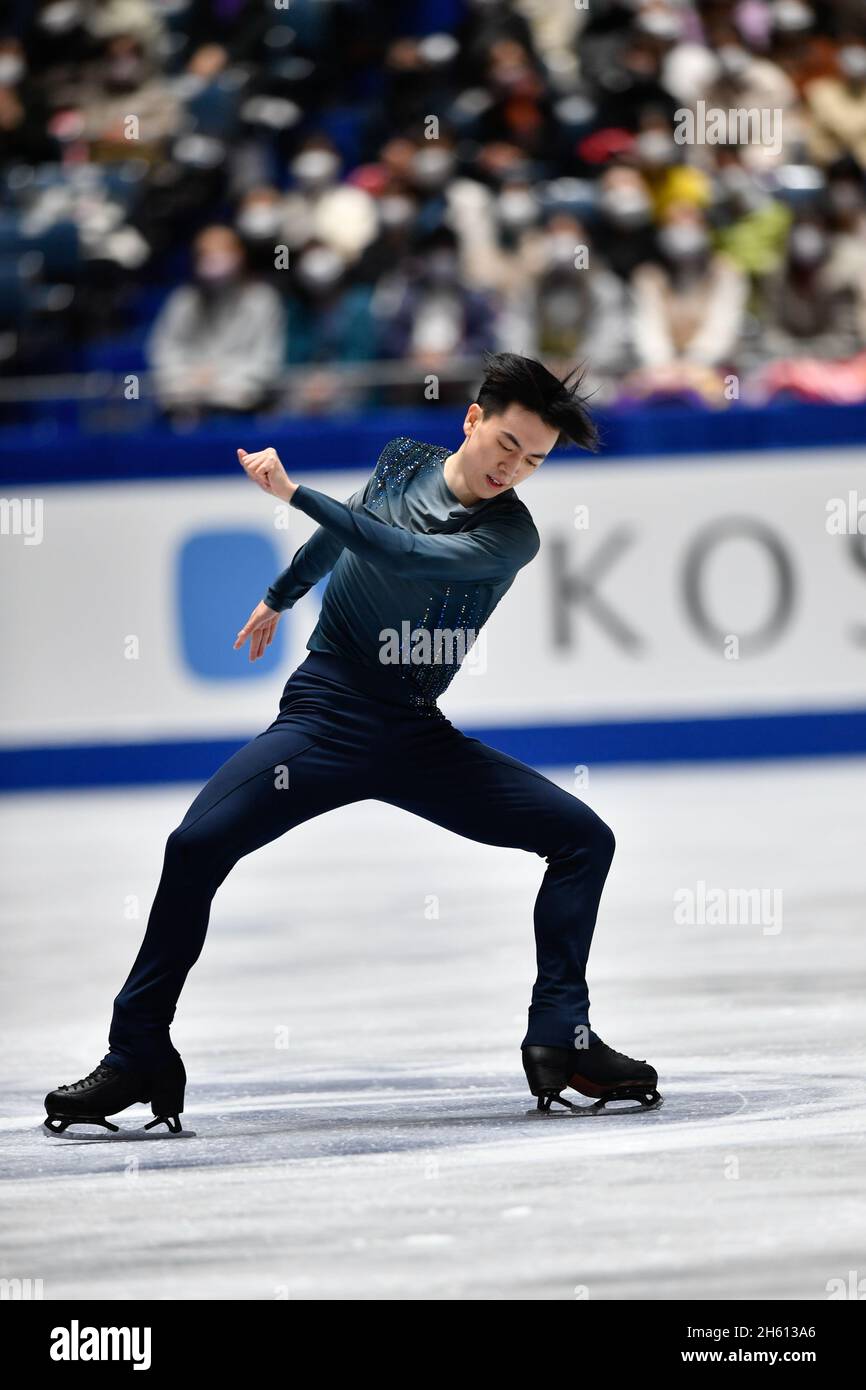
pixel 358 720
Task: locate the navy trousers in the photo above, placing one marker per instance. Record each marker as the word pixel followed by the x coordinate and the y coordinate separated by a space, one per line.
pixel 346 733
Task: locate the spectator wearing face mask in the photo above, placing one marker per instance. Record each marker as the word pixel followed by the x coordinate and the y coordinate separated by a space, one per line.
pixel 431 316
pixel 626 228
pixel 686 61
pixel 417 173
pixel 520 112
pixel 430 171
pixel 258 222
pixel 13 62
pixel 690 308
pixel 218 343
pixel 321 207
pixel 600 34
pixel 578 306
pixel 418 73
pixel 126 108
pixel 329 324
pixel 498 230
pixel 837 108
pixel 691 66
pixel 743 81
pixel 328 315
pixel 549 287
pixel 802 53
pixel 632 83
pixel 804 311
pixel 397 212
pixel 659 160
pixel 56 39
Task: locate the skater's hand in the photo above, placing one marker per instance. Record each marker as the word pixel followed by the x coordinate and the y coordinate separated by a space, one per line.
pixel 266 469
pixel 260 628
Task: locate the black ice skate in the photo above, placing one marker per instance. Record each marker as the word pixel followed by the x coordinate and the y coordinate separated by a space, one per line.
pixel 596 1071
pixel 108 1089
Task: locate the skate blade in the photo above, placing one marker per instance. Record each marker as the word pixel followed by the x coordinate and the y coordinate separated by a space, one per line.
pixel 121 1135
pixel 609 1106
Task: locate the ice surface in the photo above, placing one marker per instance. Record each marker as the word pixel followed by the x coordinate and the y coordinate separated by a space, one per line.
pixel 351 1037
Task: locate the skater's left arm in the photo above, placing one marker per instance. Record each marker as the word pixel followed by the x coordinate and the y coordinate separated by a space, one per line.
pixel 310 563
pixel 490 552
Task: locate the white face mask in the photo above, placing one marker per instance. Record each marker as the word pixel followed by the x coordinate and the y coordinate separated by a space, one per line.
pixel 628 207
pixel 431 168
pixel 517 207
pixel 320 268
pixel 561 249
pixel 852 61
pixel 259 220
pixel 438 48
pixel 683 239
pixel 655 147
pixel 792 16
pixel 395 211
pixel 59 17
pixel 807 245
pixel 661 24
pixel 12 69
pixel 733 60
pixel 315 167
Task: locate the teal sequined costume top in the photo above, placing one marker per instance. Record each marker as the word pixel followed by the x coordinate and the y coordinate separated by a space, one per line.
pixel 407 558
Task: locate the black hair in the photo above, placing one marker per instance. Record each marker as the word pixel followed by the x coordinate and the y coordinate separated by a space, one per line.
pixel 510 379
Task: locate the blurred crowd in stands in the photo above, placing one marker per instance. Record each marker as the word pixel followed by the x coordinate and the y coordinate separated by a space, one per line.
pixel 317 205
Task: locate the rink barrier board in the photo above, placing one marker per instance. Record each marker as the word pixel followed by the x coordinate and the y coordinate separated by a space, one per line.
pixel 68 456
pixel 815 707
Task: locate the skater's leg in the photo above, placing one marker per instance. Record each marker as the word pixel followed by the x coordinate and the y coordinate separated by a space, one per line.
pixel 283 777
pixel 466 786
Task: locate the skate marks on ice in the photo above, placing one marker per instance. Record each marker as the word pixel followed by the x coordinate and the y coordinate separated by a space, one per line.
pixel 433 1184
pixel 330 1117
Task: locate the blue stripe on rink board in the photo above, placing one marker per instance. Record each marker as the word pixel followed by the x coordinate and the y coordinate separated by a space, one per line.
pixel 354 441
pixel 814 733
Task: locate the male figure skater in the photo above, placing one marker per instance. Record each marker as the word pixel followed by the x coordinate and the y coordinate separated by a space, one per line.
pixel 434 539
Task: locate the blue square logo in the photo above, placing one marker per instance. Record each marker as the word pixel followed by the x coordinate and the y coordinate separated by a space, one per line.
pixel 218 575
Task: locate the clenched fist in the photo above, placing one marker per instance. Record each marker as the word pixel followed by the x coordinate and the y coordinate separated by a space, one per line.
pixel 266 469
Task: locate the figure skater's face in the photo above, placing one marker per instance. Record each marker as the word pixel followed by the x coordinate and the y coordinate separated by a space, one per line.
pixel 502 450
